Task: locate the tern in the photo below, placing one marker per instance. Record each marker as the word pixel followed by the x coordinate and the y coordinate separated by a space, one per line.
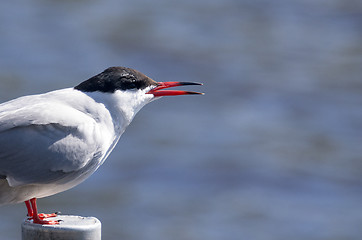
pixel 52 142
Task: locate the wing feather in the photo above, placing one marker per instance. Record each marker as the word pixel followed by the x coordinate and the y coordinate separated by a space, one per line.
pixel 43 142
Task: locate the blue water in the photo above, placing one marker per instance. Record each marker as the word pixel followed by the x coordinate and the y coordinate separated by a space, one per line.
pixel 272 151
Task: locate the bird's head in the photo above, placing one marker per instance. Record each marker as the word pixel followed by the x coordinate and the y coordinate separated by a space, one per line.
pixel 131 88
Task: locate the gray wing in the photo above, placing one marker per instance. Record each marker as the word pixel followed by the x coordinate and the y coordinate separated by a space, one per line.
pixel 43 153
pixel 43 139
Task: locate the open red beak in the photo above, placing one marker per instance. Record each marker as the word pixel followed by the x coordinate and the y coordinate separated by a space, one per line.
pixel 157 92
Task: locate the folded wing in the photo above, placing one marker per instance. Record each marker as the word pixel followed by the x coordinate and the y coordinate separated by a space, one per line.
pixel 45 143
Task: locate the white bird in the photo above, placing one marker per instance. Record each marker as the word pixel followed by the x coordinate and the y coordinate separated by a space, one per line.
pixel 51 142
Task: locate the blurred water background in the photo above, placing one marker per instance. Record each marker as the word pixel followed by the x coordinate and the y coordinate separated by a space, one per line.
pixel 272 151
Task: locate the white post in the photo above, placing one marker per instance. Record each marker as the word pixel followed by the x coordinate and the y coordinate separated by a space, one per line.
pixel 70 228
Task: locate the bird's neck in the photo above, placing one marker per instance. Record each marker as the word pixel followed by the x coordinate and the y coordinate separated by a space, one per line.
pixel 122 106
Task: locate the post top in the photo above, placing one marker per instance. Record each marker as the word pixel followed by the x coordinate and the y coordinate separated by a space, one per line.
pixel 71 227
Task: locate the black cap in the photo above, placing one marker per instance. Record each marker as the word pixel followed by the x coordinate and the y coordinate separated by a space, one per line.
pixel 116 78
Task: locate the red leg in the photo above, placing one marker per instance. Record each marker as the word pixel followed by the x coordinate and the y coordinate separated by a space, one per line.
pixel 38 218
pixel 40 215
pixel 30 210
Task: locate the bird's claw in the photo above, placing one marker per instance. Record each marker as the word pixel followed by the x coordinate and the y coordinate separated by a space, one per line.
pixel 42 216
pixel 45 222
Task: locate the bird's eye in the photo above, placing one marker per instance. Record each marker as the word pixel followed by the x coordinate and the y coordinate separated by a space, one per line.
pixel 132 85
